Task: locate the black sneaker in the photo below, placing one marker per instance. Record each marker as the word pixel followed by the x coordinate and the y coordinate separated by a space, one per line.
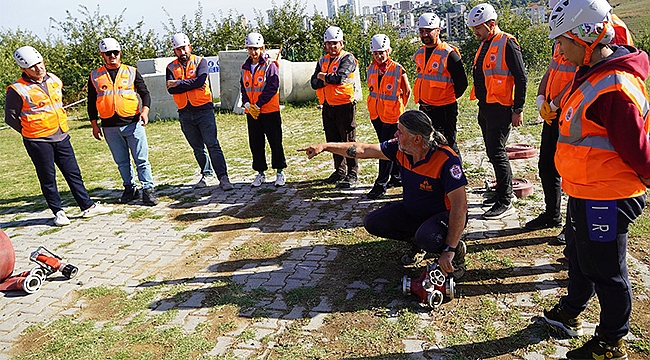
pixel 130 193
pixel 413 257
pixel 599 348
pixel 459 260
pixel 149 197
pixel 561 237
pixel 543 221
pixel 376 192
pixel 394 182
pixel 498 211
pixel 561 320
pixel 348 181
pixel 335 177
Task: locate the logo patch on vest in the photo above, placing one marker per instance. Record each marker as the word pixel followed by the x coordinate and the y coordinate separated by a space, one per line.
pixel 456 171
pixel 389 86
pixel 435 65
pixel 493 58
pixel 191 72
pixel 334 68
pixel 247 84
pixel 260 79
pixel 104 87
pixel 125 81
pixel 425 186
pixel 569 114
pixel 371 88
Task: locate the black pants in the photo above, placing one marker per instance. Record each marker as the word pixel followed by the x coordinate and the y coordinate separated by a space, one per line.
pixel 495 121
pixel 387 168
pixel 444 119
pixel 597 260
pixel 548 172
pixel 340 126
pixel 269 124
pixel 44 155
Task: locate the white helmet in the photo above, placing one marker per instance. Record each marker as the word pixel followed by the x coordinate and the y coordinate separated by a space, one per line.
pixel 429 21
pixel 27 57
pixel 579 16
pixel 254 40
pixel 481 14
pixel 333 33
pixel 379 42
pixel 179 40
pixel 109 44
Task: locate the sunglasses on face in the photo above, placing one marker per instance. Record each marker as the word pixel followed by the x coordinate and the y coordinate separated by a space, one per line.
pixel 112 53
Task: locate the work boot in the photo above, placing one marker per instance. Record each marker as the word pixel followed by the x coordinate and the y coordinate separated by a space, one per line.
pixel 557 317
pixel 335 177
pixel 498 211
pixel 394 182
pixel 599 348
pixel 225 184
pixel 543 221
pixel 149 197
pixel 561 237
pixel 349 181
pixel 376 192
pixel 413 257
pixel 130 193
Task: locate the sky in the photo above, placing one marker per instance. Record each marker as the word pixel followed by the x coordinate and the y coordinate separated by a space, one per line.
pixel 35 14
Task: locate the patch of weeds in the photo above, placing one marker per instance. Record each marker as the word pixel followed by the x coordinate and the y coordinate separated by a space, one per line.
pixel 305 295
pixel 188 199
pixel 258 248
pixel 229 293
pixel 140 214
pixel 118 232
pixel 641 346
pixel 195 236
pixel 64 245
pixel 226 327
pixel 179 227
pixel 246 335
pixel 123 246
pixel 265 190
pixel 50 231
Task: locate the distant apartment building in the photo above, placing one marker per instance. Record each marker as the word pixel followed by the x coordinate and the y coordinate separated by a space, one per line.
pixel 366 10
pixel 456 24
pixel 405 5
pixel 409 20
pixel 536 13
pixel 332 8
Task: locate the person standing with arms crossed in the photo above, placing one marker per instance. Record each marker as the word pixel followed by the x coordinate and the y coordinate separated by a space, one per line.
pixel 500 87
pixel 187 81
pixel 333 80
pixel 113 91
pixel 34 108
pixel 259 88
pixel 389 93
pixel 441 79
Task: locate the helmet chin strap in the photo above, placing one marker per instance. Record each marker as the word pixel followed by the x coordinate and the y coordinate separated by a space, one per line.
pixel 589 48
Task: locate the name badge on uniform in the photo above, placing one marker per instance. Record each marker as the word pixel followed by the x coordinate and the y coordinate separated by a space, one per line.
pixel 602 219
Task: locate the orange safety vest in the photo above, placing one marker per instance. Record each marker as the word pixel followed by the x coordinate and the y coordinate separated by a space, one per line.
pixel 254 85
pixel 42 113
pixel 589 165
pixel 335 94
pixel 623 35
pixel 116 98
pixel 560 74
pixel 385 99
pixel 499 81
pixel 196 97
pixel 433 84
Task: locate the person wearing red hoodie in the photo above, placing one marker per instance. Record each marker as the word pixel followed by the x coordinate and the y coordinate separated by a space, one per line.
pixel 603 157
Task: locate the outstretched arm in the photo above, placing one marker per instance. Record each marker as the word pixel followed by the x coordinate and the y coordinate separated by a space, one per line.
pixel 348 149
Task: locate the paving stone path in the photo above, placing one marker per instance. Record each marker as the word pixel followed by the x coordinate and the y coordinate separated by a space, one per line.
pixel 112 250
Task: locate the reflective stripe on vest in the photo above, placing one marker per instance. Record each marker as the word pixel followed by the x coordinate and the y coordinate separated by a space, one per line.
pixel 560 74
pixel 117 97
pixel 384 99
pixel 196 97
pixel 42 114
pixel 335 94
pixel 499 81
pixel 585 158
pixel 433 83
pixel 255 86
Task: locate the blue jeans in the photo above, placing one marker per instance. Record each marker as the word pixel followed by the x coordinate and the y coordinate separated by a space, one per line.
pixel 120 140
pixel 200 130
pixel 44 155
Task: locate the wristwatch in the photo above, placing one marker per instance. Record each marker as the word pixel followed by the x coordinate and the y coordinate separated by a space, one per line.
pixel 518 110
pixel 449 249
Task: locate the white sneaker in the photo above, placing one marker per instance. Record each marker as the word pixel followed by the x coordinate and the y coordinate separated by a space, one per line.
pixel 96 209
pixel 279 180
pixel 60 219
pixel 259 180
